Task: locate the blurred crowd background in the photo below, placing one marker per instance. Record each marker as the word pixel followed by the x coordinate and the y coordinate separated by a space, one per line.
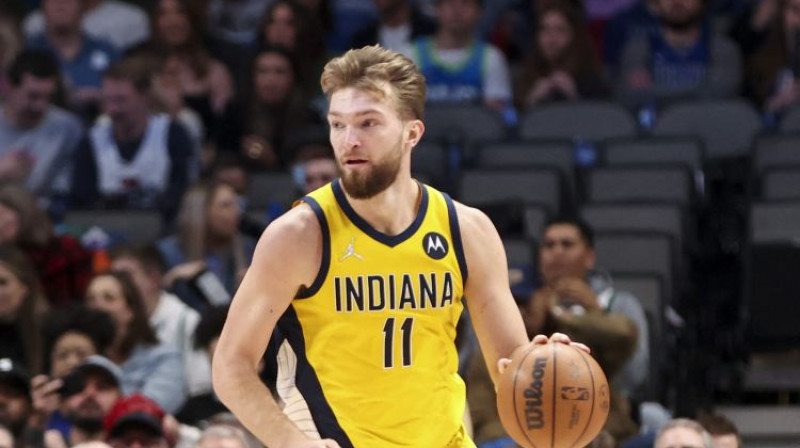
pixel 640 158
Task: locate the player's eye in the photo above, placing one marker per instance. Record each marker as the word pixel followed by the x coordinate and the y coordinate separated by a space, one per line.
pixel 336 125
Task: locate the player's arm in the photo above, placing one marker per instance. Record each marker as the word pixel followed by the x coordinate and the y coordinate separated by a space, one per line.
pixel 495 316
pixel 287 256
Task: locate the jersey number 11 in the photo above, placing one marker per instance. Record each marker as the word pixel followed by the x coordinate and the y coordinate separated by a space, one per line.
pixel 388 342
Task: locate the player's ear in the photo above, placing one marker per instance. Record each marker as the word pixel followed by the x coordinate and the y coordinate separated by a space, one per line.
pixel 416 129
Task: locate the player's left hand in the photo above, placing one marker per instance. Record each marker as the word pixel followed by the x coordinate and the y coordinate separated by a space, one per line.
pixel 540 339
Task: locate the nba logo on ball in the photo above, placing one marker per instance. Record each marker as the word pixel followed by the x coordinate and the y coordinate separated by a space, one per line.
pixel 553 396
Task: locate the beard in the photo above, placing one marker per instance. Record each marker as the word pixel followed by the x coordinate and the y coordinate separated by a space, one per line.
pixel 365 185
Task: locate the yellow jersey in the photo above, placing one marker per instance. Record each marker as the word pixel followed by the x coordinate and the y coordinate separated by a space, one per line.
pixel 369 356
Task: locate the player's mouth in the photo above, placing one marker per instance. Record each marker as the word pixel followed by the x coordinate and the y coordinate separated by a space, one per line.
pixel 355 162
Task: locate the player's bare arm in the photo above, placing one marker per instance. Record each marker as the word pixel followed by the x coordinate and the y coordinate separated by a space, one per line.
pixel 495 316
pixel 287 257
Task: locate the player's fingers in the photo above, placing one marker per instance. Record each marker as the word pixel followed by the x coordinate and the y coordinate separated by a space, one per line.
pixel 560 337
pixel 329 443
pixel 502 364
pixel 539 339
pixel 583 347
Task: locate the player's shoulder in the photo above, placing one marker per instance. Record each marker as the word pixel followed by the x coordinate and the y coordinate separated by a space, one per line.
pixel 472 220
pixel 299 227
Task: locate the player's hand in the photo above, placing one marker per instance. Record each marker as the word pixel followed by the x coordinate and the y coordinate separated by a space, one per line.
pixel 540 339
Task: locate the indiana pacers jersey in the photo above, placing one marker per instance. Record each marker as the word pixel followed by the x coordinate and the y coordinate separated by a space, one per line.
pixel 369 357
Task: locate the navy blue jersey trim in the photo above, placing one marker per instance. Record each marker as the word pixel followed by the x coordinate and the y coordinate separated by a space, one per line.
pixel 365 227
pixel 455 233
pixel 308 384
pixel 326 250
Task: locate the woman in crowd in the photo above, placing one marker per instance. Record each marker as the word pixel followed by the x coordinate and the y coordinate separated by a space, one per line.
pixel 72 335
pixel 289 25
pixel 775 68
pixel 208 237
pixel 563 64
pixel 21 306
pixel 277 111
pixel 148 367
pixel 62 264
pixel 184 63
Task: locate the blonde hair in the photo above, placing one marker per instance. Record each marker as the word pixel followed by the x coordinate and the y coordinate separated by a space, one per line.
pixel 370 69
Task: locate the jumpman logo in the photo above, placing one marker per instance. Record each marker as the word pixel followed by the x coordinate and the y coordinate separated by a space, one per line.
pixel 351 251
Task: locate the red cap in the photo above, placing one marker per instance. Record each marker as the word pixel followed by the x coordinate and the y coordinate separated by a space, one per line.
pixel 134 409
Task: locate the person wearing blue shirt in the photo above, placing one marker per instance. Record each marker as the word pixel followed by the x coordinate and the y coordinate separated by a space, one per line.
pixel 83 59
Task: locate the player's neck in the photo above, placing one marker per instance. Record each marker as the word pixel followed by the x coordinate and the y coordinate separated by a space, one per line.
pixel 393 210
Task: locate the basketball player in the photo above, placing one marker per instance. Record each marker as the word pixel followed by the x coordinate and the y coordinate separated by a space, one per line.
pixel 364 278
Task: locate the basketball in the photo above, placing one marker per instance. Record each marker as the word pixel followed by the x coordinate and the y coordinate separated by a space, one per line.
pixel 553 395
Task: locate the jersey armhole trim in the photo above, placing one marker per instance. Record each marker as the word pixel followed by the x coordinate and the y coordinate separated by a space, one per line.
pixel 326 250
pixel 455 233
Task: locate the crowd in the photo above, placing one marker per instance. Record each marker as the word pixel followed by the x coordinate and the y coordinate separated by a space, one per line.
pixel 172 105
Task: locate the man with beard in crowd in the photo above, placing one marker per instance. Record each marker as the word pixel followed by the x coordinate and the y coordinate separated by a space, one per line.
pixel 684 59
pixel 89 392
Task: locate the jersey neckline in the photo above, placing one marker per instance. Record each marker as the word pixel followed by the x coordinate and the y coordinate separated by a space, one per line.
pixel 364 226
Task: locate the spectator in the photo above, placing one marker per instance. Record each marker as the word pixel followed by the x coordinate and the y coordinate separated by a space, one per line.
pixel 22 304
pixel 62 264
pixel 15 397
pixel 83 58
pixel 37 139
pixel 775 69
pixel 288 25
pixel 277 110
pixel 571 301
pixel 136 421
pixel 723 431
pixel 148 367
pixel 682 432
pixel 87 394
pixel 563 65
pixel 206 334
pixel 10 45
pixel 578 299
pixel 635 23
pixel 173 321
pixel 123 24
pixel 399 22
pixel 236 21
pixel 177 44
pixel 318 172
pixel 135 158
pixel 231 168
pixel 208 236
pixel 72 335
pixel 458 67
pixel 685 59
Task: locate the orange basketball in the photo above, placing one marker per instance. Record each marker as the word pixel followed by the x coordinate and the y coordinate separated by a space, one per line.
pixel 553 396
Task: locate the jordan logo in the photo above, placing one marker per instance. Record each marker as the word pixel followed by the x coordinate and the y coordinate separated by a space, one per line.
pixel 351 251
